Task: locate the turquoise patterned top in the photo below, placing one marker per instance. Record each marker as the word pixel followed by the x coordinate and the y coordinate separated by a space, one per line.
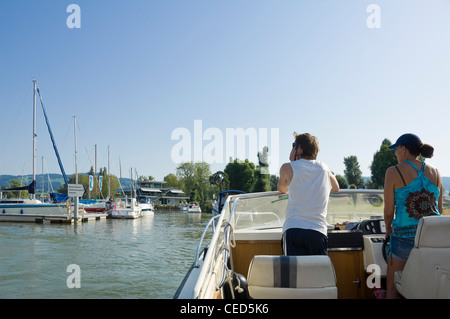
pixel 412 202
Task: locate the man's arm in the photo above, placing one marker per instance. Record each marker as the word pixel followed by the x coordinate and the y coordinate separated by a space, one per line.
pixel 286 174
pixel 334 183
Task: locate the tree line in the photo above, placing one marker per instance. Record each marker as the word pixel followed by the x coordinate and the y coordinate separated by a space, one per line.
pixel 382 160
pixel 196 180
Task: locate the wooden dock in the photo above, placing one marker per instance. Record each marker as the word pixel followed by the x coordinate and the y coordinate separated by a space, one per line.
pixel 53 219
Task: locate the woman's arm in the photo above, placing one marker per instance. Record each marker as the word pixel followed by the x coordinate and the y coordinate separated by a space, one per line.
pixel 389 200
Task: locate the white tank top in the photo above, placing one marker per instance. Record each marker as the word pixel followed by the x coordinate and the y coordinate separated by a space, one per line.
pixel 309 192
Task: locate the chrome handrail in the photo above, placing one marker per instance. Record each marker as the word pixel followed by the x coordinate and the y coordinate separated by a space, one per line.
pixel 227 244
pixel 197 254
pixel 360 191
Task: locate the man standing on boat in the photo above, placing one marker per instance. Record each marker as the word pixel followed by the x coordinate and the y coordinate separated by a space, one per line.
pixel 309 183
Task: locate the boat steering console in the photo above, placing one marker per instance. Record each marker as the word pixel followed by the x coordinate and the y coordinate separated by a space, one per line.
pixel 376 247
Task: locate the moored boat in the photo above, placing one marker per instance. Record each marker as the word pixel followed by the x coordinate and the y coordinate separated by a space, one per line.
pixel 146 205
pixel 31 209
pixel 13 209
pixel 126 209
pixel 93 206
pixel 243 258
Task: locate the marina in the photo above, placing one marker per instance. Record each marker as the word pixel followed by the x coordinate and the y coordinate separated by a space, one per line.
pixel 66 208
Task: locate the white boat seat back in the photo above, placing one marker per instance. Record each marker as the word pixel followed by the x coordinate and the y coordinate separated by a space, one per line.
pixel 292 277
pixel 427 270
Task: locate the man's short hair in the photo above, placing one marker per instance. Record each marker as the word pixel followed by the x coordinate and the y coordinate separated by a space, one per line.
pixel 309 145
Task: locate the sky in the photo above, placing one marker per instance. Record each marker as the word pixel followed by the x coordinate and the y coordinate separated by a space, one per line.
pixel 158 82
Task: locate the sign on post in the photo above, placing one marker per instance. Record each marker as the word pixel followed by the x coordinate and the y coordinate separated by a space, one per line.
pixel 75 190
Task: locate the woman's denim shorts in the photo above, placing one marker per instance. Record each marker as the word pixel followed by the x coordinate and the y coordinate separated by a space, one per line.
pixel 400 248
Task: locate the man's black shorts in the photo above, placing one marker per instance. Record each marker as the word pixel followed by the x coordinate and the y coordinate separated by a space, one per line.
pixel 300 242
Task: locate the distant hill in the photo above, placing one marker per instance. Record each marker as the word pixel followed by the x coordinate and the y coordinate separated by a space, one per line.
pixel 56 180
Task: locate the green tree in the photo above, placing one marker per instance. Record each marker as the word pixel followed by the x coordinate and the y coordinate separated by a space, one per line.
pixel 83 179
pixel 220 180
pixel 15 183
pixel 241 174
pixel 274 182
pixel 382 160
pixel 107 180
pixel 202 173
pixel 195 178
pixel 353 172
pixel 342 181
pixel 146 178
pixel 172 181
pixel 186 175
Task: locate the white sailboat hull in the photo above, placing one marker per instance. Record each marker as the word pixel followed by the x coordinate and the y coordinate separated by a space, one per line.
pixel 31 211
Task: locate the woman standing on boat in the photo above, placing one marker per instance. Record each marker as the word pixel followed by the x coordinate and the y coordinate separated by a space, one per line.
pixel 411 190
pixel 309 183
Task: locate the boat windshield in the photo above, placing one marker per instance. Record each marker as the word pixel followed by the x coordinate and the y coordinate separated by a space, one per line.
pixel 143 200
pixel 268 210
pixel 353 207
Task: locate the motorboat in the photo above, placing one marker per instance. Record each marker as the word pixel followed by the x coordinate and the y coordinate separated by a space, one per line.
pixel 194 207
pixel 146 205
pixel 93 206
pixel 126 208
pixel 241 258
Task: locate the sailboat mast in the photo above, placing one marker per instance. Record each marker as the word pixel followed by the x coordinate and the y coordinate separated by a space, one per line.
pixel 33 196
pixel 43 188
pixel 109 177
pixel 75 144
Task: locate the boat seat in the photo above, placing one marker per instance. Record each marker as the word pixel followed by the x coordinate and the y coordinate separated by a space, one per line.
pixel 427 271
pixel 292 277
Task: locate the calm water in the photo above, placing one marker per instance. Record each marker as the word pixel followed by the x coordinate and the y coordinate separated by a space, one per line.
pixel 142 258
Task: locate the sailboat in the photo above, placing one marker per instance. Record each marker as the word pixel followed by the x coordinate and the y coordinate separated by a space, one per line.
pixel 32 209
pixel 128 207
